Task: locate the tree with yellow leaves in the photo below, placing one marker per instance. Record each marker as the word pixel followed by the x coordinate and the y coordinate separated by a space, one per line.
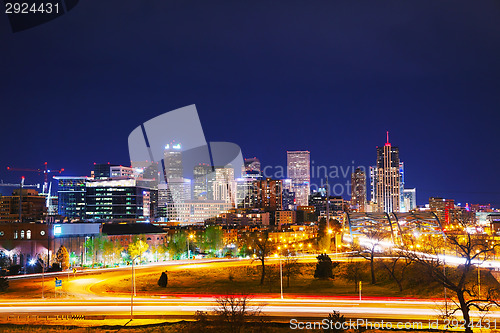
pixel 137 248
pixel 62 257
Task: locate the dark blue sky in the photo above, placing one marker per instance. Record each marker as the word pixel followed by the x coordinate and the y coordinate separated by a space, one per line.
pixel 327 76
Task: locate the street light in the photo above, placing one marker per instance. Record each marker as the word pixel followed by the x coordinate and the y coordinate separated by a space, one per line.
pixel 281 279
pixel 187 242
pixel 132 293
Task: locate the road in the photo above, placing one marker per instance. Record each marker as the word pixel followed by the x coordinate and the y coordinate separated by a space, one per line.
pixel 82 297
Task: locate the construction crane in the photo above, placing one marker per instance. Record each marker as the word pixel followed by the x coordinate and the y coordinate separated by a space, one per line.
pixel 18 185
pixel 45 171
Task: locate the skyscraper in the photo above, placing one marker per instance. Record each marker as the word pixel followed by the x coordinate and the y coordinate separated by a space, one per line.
pixel 358 190
pixel 269 194
pixel 224 184
pixel 409 201
pixel 172 161
pixel 442 208
pixel 299 171
pixel 386 179
pixel 200 182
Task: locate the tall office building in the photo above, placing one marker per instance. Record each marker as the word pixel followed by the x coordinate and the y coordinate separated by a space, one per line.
pixel 299 171
pixel 409 201
pixel 200 182
pixel 172 161
pixel 358 190
pixel 386 179
pixel 102 170
pixel 224 185
pixel 288 202
pixel 32 206
pixel 270 194
pixel 119 199
pixel 71 193
pixel 442 208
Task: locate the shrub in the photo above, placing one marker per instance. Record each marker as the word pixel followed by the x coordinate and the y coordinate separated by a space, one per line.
pixel 14 269
pixel 324 267
pixel 163 281
pixel 335 320
pixel 55 268
pixel 4 284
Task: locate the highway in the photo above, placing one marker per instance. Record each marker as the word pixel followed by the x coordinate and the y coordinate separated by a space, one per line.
pixel 185 307
pixel 83 296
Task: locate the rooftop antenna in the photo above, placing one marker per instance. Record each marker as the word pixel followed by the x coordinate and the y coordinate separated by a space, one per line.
pixel 387 143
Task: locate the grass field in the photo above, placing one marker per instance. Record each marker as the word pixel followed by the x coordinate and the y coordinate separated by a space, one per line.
pixel 246 280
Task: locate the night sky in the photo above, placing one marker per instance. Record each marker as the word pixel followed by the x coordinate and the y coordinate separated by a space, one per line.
pixel 326 76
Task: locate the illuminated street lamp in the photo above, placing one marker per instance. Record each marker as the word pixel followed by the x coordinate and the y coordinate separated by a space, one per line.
pixel 187 241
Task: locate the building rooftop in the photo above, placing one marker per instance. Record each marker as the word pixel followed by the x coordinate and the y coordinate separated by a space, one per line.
pixel 113 229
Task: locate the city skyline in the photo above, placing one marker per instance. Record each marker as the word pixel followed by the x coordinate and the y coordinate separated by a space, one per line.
pixel 281 172
pixel 431 84
pixel 240 165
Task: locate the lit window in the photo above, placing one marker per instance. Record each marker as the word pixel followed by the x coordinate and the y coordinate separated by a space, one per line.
pixel 28 234
pixel 15 234
pixel 22 234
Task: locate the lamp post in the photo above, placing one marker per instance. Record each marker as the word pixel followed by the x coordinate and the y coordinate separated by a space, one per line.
pixel 187 243
pixel 444 274
pixel 330 232
pixel 281 278
pixel 132 292
pixel 478 281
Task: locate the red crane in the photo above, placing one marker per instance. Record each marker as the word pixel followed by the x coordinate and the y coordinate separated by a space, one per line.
pixel 45 172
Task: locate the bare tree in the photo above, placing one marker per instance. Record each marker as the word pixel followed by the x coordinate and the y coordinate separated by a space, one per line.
pixel 352 272
pixel 234 311
pixel 369 249
pixel 291 268
pixel 263 248
pixel 472 250
pixel 396 266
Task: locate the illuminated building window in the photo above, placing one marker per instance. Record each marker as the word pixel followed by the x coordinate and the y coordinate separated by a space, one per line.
pixel 15 234
pixel 28 234
pixel 22 234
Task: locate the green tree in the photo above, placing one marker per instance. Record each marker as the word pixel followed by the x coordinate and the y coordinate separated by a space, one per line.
pixel 111 250
pixel 212 239
pixel 137 248
pixel 177 245
pixel 324 267
pixel 159 251
pixel 62 257
pixel 90 249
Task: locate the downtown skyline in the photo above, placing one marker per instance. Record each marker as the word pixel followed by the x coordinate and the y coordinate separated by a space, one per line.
pixel 425 72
